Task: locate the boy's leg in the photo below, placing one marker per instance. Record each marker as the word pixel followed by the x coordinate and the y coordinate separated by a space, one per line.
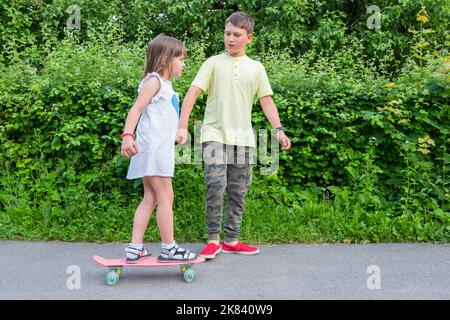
pixel 215 180
pixel 239 178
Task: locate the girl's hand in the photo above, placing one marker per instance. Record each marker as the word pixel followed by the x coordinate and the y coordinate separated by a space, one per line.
pixel 284 140
pixel 181 136
pixel 129 147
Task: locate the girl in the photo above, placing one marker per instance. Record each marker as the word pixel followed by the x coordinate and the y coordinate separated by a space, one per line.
pixel 156 113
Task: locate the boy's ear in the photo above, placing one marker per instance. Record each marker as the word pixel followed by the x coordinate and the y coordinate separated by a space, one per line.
pixel 249 37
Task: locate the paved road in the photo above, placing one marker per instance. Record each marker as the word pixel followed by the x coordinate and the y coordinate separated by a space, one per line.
pixel 49 270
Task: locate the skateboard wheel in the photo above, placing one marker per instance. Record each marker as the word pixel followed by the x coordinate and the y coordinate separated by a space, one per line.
pixel 189 275
pixel 112 278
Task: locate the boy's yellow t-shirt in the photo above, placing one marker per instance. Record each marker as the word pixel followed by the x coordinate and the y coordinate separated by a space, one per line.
pixel 231 83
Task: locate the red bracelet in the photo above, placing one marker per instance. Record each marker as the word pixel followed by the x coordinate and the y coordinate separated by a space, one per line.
pixel 126 134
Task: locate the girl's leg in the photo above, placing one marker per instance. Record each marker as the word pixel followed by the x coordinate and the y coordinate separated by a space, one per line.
pixel 170 251
pixel 143 212
pixel 163 191
pixel 135 250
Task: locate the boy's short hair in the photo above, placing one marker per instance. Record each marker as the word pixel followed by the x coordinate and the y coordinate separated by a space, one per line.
pixel 241 20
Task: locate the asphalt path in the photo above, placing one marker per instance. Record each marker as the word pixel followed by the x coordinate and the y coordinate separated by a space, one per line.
pixel 393 271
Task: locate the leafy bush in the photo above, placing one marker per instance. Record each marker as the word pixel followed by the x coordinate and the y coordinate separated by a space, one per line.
pixel 293 24
pixel 369 160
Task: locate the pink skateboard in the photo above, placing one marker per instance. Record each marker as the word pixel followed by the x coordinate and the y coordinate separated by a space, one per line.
pixel 116 267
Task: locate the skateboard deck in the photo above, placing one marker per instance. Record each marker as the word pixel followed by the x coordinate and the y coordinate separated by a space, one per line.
pixel 116 267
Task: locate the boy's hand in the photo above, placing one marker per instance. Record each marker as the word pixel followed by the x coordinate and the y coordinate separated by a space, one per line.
pixel 181 136
pixel 129 147
pixel 284 140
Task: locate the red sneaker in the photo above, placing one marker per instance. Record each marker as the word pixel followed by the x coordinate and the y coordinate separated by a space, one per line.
pixel 239 248
pixel 210 251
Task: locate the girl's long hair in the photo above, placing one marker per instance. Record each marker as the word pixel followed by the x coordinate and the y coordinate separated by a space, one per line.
pixel 160 52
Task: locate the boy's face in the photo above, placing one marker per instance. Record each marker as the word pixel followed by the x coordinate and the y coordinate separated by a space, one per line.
pixel 236 39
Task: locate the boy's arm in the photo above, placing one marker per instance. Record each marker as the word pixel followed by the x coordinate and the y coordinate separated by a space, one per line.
pixel 271 112
pixel 186 109
pixel 148 91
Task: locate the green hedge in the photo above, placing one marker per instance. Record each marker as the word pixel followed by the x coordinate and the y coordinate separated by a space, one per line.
pixel 369 127
pixel 369 160
pixel 297 25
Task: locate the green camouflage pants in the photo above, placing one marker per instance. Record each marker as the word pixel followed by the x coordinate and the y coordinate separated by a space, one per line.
pixel 227 168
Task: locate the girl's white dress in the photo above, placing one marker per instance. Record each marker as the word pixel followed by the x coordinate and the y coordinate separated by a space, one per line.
pixel 155 133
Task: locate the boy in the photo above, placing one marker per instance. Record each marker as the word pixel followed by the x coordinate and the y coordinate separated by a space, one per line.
pixel 232 80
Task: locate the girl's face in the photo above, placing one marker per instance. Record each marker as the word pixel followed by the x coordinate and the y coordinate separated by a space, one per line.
pixel 177 66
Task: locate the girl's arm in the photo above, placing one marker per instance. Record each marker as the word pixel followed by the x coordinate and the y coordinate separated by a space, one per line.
pixel 271 112
pixel 148 91
pixel 186 109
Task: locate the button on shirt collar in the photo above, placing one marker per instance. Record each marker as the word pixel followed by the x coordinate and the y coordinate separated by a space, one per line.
pixel 236 61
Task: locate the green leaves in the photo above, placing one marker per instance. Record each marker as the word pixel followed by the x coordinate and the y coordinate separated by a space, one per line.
pixel 368 121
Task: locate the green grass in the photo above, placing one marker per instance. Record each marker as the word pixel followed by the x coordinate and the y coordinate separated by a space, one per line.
pixel 42 208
